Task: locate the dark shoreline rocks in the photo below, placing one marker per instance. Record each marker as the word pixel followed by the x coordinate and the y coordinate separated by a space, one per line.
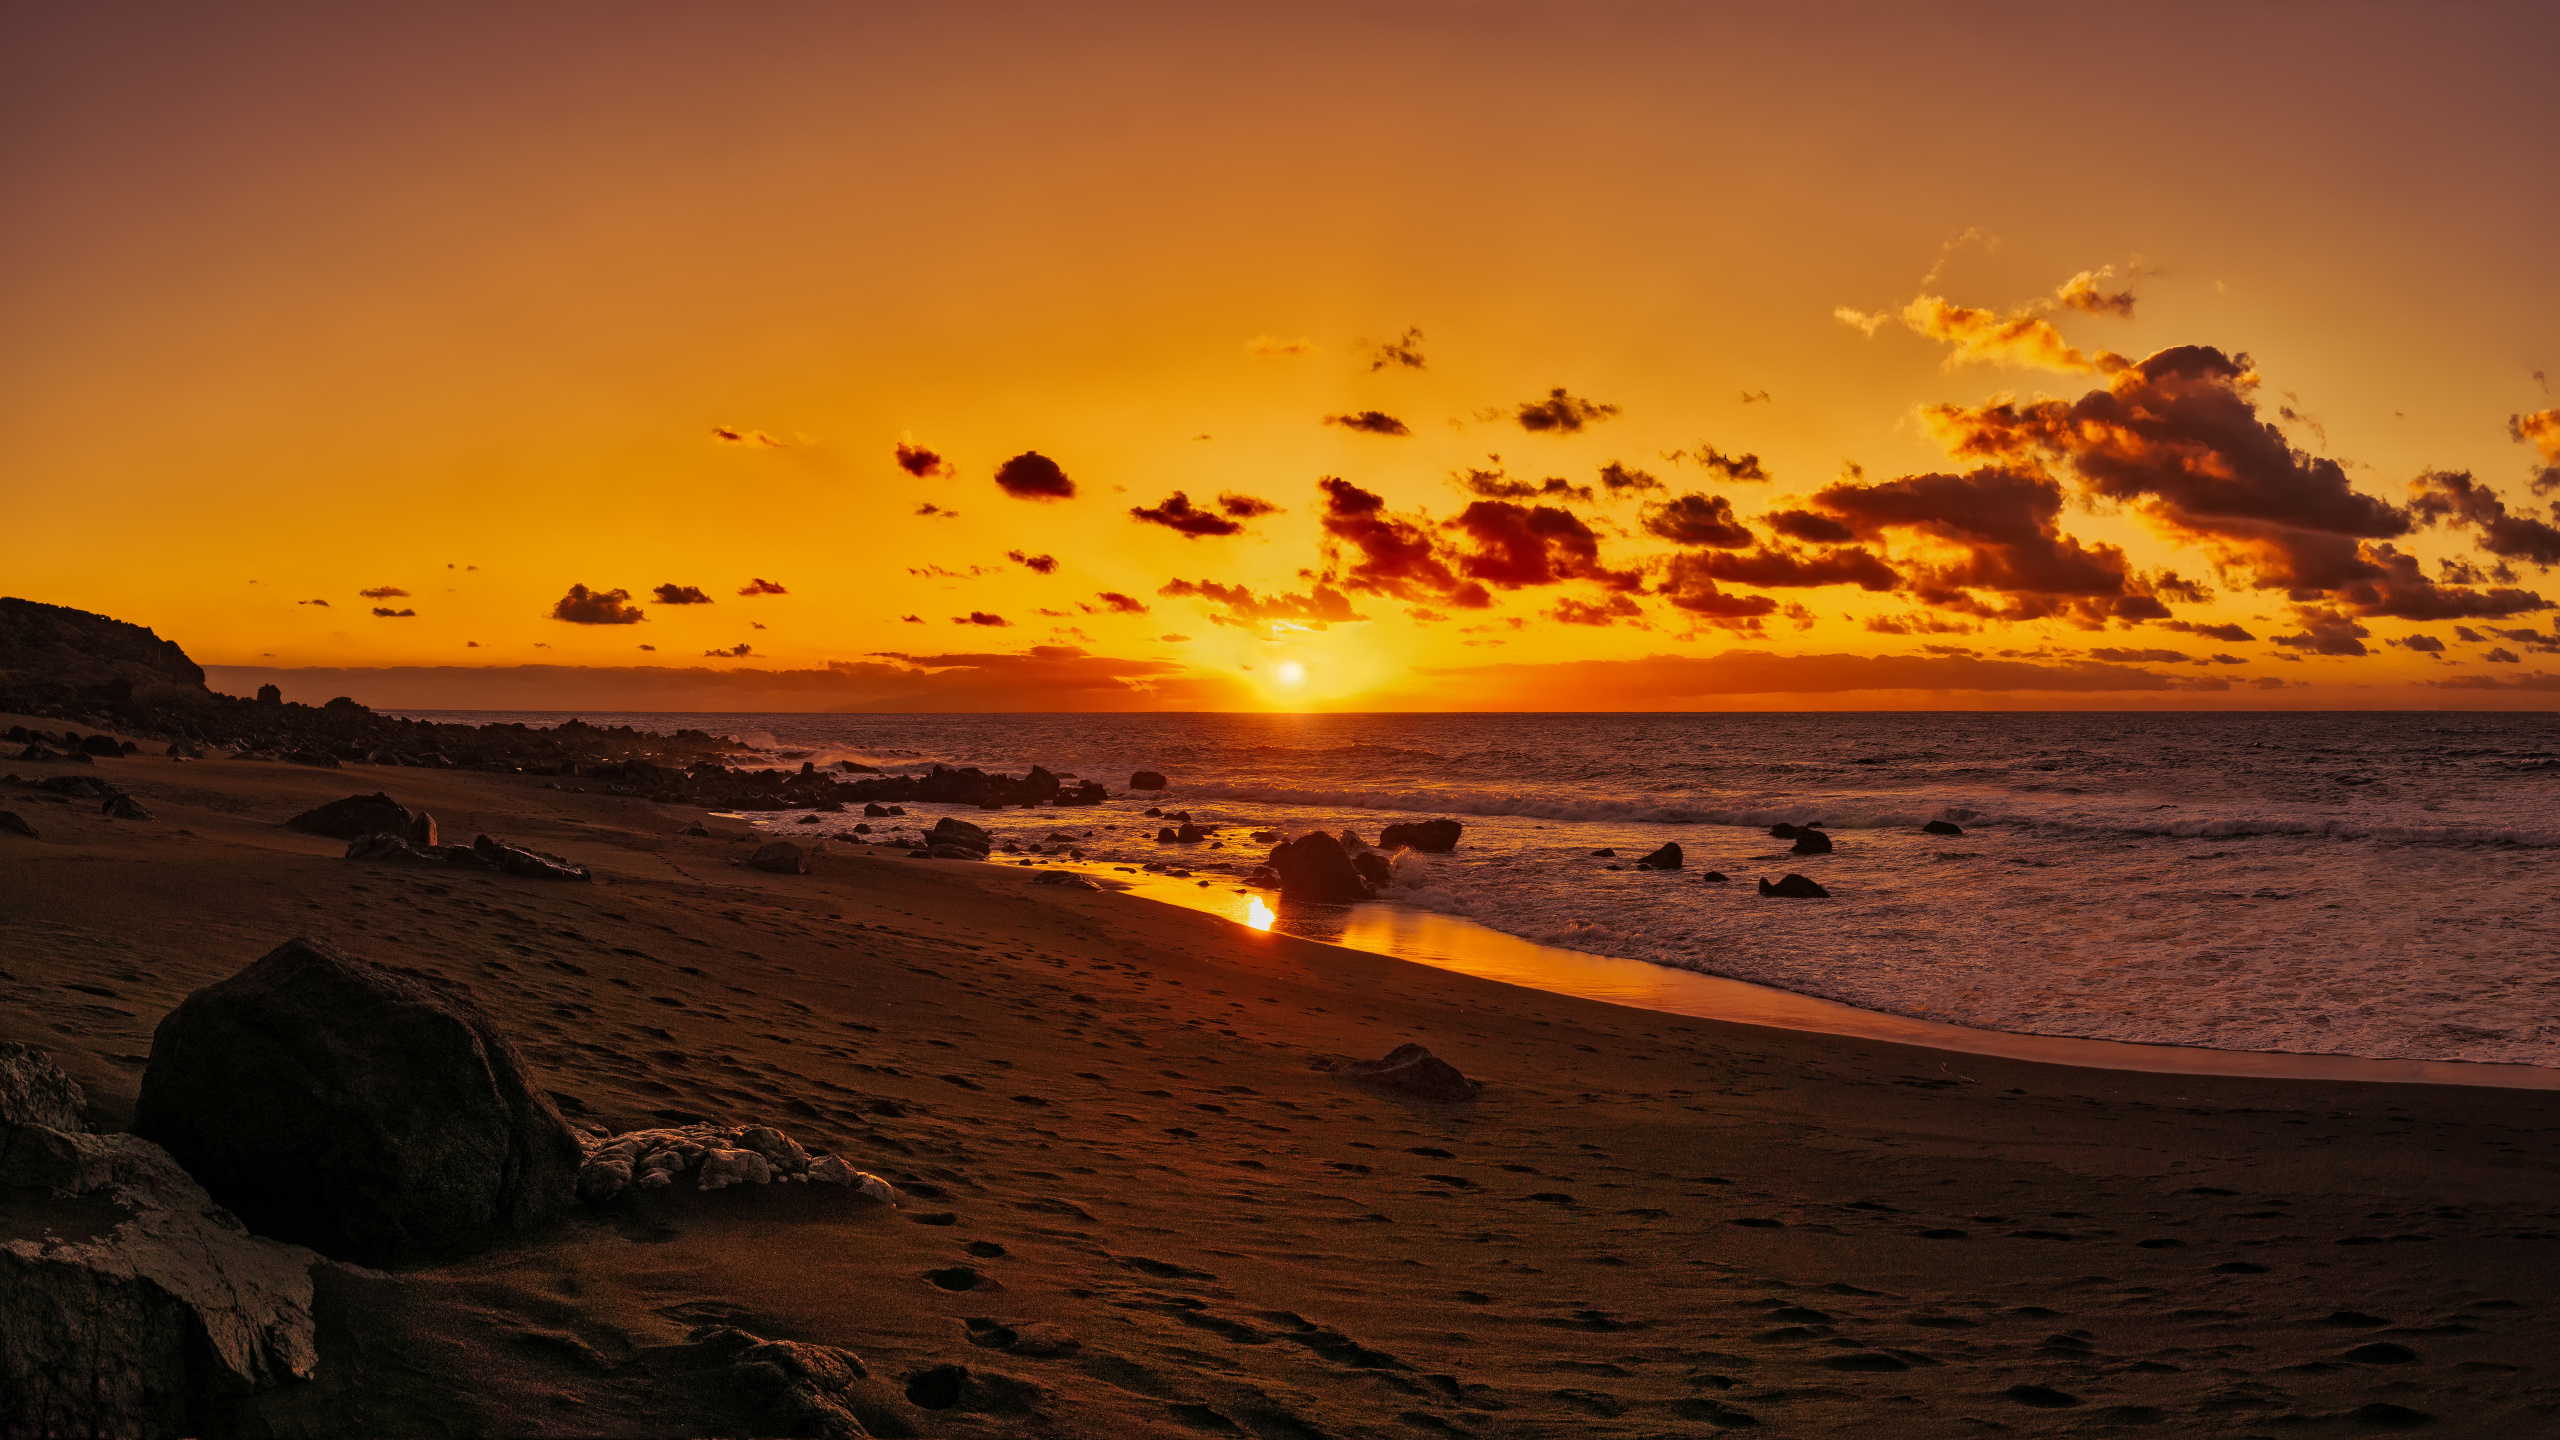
pixel 1432 837
pixel 1666 858
pixel 1941 827
pixel 1794 887
pixel 1811 842
pixel 1316 867
pixel 373 1114
pixel 1409 1069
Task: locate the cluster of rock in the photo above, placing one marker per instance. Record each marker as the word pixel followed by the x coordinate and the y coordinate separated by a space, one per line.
pixel 1808 837
pixel 1408 1069
pixel 69 746
pixel 130 1302
pixel 379 828
pixel 1342 868
pixel 713 1157
pixel 112 799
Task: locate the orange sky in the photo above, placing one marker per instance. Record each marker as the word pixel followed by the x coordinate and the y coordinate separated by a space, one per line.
pixel 301 302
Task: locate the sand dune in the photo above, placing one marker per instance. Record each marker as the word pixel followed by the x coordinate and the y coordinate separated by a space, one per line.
pixel 1138 1209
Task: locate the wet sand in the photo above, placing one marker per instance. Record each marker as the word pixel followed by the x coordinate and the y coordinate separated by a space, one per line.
pixel 1139 1209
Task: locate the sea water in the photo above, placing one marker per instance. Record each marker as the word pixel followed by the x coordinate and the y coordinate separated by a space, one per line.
pixel 2372 884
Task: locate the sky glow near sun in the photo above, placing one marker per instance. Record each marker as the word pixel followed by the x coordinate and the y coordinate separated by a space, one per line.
pixel 1393 356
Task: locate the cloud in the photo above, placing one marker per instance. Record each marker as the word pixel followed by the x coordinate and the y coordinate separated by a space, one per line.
pixel 388 613
pixel 1274 345
pixel 1517 546
pixel 1705 520
pixel 1495 485
pixel 1245 507
pixel 1987 337
pixel 2454 497
pixel 739 651
pixel 910 619
pixel 2540 681
pixel 924 464
pixel 2541 429
pixel 1399 557
pixel 2325 632
pixel 728 436
pixel 932 511
pixel 1779 567
pixel 323 604
pixel 582 606
pixel 1174 639
pixel 1999 531
pixel 1036 564
pixel 1607 611
pixel 673 594
pixel 1322 606
pixel 2423 644
pixel 1738 468
pixel 1688 586
pixel 762 586
pixel 2501 655
pixel 2081 293
pixel 2228 634
pixel 651 648
pixel 1667 681
pixel 1119 604
pixel 1918 622
pixel 1034 476
pixel 1755 397
pixel 1561 414
pixel 2120 656
pixel 1404 350
pixel 1370 422
pixel 937 572
pixel 384 592
pixel 1805 525
pixel 1178 514
pixel 2397 588
pixel 1617 479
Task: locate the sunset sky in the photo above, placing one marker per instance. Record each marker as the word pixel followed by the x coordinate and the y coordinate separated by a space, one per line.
pixel 1458 355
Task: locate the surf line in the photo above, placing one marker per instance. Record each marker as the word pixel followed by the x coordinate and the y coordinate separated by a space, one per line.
pixel 1449 942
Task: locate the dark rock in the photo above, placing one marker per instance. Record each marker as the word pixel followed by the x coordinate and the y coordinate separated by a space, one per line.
pixel 373 1114
pixel 16 824
pixel 1412 1070
pixel 1666 858
pixel 1782 831
pixel 1373 867
pixel 779 857
pixel 861 829
pixel 1167 836
pixel 34 1092
pixel 797 1388
pixel 1941 827
pixel 1436 837
pixel 124 807
pixel 270 695
pixel 1795 887
pixel 875 811
pixel 947 831
pixel 1715 877
pixel 357 815
pixel 1811 842
pixel 1146 780
pixel 422 830
pixel 390 848
pixel 1190 834
pixel 697 828
pixel 80 787
pixel 806 820
pixel 1063 877
pixel 1604 854
pixel 103 746
pixel 939 851
pixel 522 863
pixel 1350 839
pixel 1315 867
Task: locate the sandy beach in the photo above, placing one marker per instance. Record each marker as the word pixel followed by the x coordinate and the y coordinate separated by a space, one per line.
pixel 1137 1206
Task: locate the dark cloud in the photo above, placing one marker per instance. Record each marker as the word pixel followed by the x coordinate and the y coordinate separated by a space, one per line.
pixel 1036 564
pixel 2423 644
pixel 2454 497
pixel 1665 681
pixel 2541 430
pixel 910 619
pixel 1370 422
pixel 1119 604
pixel 1807 526
pixel 739 651
pixel 1780 568
pixel 323 604
pixel 1034 476
pixel 1398 557
pixel 1743 468
pixel 1495 485
pixel 2003 529
pixel 729 436
pixel 1517 546
pixel 1178 514
pixel 1245 507
pixel 935 512
pixel 2228 634
pixel 2501 655
pixel 2396 588
pixel 1322 606
pixel 1561 414
pixel 388 613
pixel 1918 622
pixel 762 586
pixel 1755 397
pixel 1617 479
pixel 981 617
pixel 2121 656
pixel 674 594
pixel 924 464
pixel 1404 350
pixel 2222 659
pixel 2539 681
pixel 2467 635
pixel 384 592
pixel 582 606
pixel 1607 611
pixel 2326 632
pixel 1688 586
pixel 1703 520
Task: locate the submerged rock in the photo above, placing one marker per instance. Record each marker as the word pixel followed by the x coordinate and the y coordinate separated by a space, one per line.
pixel 1811 842
pixel 1146 780
pixel 1435 837
pixel 1795 887
pixel 1941 827
pixel 373 1114
pixel 1412 1070
pixel 1714 877
pixel 1666 858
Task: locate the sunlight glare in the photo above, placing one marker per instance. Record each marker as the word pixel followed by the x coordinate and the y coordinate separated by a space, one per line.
pixel 1257 914
pixel 1289 672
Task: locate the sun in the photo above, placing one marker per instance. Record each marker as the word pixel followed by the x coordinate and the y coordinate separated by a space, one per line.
pixel 1289 673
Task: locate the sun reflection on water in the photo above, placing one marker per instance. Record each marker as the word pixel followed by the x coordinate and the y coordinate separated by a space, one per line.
pixel 1257 914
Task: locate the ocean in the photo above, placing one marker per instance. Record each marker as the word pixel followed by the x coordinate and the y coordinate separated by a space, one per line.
pixel 2366 884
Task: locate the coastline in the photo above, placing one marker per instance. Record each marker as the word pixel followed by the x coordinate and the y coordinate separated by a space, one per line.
pixel 1109 1115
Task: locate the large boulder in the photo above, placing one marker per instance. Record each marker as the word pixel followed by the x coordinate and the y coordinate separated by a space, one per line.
pixel 780 857
pixel 1438 837
pixel 354 817
pixel 1374 868
pixel 1146 780
pixel 33 1092
pixel 948 831
pixel 1666 858
pixel 373 1114
pixel 1810 841
pixel 1316 867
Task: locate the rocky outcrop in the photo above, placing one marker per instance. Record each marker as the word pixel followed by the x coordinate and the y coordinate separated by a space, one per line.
pixel 1373 867
pixel 1810 841
pixel 124 807
pixel 483 853
pixel 1435 837
pixel 34 1092
pixel 1146 780
pixel 1666 858
pixel 961 835
pixel 797 1388
pixel 373 1114
pixel 1409 1069
pixel 130 1303
pixel 713 1157
pixel 1941 827
pixel 779 857
pixel 13 823
pixel 1795 887
pixel 354 818
pixel 1316 867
